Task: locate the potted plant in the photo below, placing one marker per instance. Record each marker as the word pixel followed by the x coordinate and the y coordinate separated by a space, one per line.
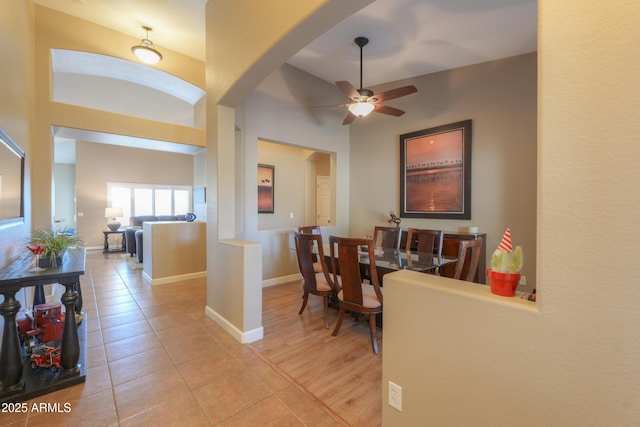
pixel 506 263
pixel 53 244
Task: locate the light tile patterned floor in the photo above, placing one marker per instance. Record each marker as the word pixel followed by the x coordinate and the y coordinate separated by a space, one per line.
pixel 154 358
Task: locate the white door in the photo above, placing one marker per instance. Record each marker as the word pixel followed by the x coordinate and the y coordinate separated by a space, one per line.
pixel 323 200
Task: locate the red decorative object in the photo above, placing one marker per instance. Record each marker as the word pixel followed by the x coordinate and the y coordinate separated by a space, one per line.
pixel 503 284
pixel 505 243
pixel 45 325
pixel 37 249
pixel 47 357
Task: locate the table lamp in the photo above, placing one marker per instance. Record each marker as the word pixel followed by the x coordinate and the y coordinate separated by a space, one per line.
pixel 111 214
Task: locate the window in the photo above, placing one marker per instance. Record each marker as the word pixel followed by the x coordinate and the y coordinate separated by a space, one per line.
pixel 149 199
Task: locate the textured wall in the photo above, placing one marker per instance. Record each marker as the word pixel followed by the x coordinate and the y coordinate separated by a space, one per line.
pixel 466 357
pixel 500 99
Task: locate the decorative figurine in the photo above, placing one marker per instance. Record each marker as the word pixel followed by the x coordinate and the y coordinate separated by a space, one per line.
pixel 393 219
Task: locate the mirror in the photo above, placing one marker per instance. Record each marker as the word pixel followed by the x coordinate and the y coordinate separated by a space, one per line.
pixel 11 181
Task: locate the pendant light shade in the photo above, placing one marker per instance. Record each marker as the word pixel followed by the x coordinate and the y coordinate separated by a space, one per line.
pixel 361 109
pixel 145 51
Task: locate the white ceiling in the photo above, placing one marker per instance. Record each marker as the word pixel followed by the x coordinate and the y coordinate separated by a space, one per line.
pixel 71 61
pixel 408 38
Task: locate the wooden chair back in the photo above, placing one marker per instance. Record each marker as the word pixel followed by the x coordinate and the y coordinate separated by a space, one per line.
pixel 355 295
pixel 315 275
pixel 387 237
pixel 425 241
pixel 345 257
pixel 309 250
pixel 309 229
pixel 468 259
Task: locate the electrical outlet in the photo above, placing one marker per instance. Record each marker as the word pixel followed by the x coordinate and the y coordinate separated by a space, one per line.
pixel 395 396
pixel 523 281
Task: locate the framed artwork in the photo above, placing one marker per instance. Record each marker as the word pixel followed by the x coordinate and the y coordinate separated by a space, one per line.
pixel 265 188
pixel 435 172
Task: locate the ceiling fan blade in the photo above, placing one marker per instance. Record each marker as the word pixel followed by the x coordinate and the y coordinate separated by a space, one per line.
pixel 385 109
pixel 395 93
pixel 331 105
pixel 348 90
pixel 349 118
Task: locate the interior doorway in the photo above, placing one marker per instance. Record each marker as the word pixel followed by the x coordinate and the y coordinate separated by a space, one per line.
pixel 323 200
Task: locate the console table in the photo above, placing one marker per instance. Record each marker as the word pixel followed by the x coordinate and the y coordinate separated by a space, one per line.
pixel 19 383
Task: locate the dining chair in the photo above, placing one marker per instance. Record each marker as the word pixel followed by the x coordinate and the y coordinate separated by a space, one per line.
pixel 316 283
pixel 353 294
pixel 387 237
pixel 312 229
pixel 309 229
pixel 469 250
pixel 426 243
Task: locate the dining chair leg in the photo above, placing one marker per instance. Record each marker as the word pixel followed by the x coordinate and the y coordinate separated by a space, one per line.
pixel 305 297
pixel 340 317
pixel 372 329
pixel 326 311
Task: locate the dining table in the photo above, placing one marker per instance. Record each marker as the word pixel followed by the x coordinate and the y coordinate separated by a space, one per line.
pixel 388 260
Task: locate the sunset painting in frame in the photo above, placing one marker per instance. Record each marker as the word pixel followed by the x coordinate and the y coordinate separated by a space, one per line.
pixel 435 172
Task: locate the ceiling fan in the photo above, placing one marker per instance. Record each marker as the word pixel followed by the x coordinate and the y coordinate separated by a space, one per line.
pixel 363 101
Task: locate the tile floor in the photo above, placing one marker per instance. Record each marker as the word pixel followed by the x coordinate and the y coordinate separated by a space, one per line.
pixel 153 357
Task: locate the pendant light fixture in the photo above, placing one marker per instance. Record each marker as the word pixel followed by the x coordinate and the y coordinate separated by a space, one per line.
pixel 145 51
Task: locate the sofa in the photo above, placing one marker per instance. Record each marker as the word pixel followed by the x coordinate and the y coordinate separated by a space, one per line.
pixel 133 234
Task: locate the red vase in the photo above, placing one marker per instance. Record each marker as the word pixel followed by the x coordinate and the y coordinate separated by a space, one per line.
pixel 503 284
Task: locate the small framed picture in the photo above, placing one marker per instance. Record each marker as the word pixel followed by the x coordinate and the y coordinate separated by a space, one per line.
pixel 266 175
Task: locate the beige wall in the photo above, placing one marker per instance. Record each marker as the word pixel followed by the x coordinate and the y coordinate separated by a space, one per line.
pixel 16 108
pixel 466 357
pixel 174 251
pixel 97 164
pixel 57 30
pixel 235 66
pixel 503 165
pixel 16 111
pixel 273 112
pixel 572 361
pixel 500 98
pixel 288 185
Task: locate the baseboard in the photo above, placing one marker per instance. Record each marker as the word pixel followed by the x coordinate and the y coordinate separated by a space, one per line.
pixel 242 337
pixel 146 278
pixel 173 279
pixel 281 280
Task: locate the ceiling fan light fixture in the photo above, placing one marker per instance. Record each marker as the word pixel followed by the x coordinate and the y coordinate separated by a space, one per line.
pixel 361 109
pixel 145 51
